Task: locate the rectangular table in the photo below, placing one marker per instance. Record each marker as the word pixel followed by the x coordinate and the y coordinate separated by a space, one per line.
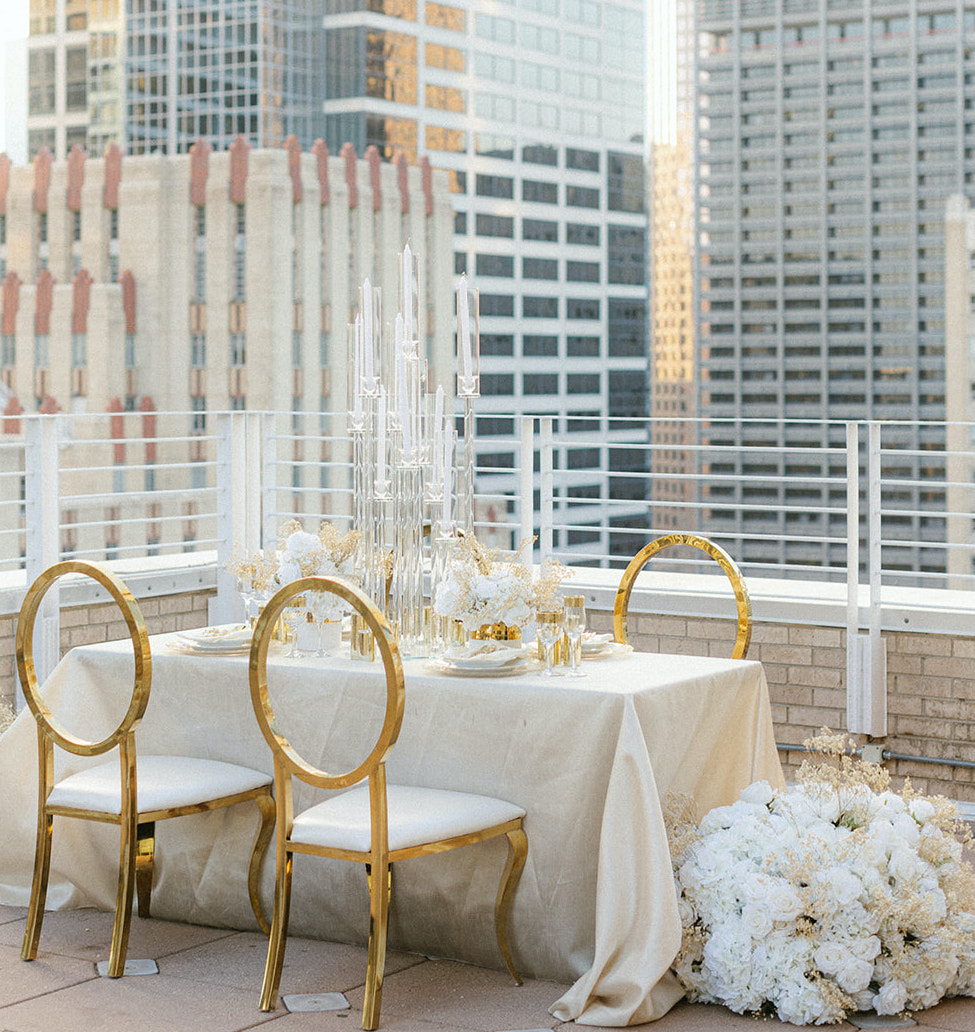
pixel 592 760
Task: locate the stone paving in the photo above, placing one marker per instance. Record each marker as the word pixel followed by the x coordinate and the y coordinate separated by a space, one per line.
pixel 209 979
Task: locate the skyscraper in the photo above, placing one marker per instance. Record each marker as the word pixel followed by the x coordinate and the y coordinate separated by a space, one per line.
pixel 155 75
pixel 537 112
pixel 829 138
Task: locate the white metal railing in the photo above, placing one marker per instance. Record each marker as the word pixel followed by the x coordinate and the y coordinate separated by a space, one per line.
pixel 874 505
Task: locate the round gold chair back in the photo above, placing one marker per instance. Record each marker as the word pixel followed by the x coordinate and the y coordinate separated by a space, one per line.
pixel 25 656
pixel 718 554
pixel 388 650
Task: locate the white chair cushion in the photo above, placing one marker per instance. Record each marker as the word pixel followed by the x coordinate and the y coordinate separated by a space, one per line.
pixel 163 782
pixel 416 816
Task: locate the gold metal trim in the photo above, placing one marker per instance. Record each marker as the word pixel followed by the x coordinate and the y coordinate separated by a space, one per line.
pixel 379 859
pixel 718 554
pixel 136 830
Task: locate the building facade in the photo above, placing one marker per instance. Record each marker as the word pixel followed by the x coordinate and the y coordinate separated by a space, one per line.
pixel 829 138
pixel 211 281
pixel 156 75
pixel 537 114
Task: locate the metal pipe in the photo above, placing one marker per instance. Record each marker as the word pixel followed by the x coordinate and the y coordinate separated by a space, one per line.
pixel 886 754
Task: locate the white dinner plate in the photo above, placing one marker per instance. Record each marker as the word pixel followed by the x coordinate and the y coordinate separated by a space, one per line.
pixel 516 666
pixel 223 638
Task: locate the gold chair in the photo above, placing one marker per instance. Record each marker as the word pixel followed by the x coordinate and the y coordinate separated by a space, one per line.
pixel 718 554
pixel 133 795
pixel 374 824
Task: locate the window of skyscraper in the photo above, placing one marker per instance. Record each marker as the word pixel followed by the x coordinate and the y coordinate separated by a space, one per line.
pixel 582 308
pixel 491 146
pixel 540 307
pixel 494 186
pixel 581 196
pixel 582 347
pixel 586 160
pixel 41 78
pixel 582 272
pixel 583 12
pixel 489 26
pixel 497 383
pixel 539 229
pixel 539 154
pixel 438 56
pixel 497 344
pixel 536 345
pixel 540 268
pixel 540 383
pixel 583 383
pixel 497 304
pixel 495 225
pixel 494 265
pixel 625 182
pixel 538 192
pixel 582 233
pixel 446 98
pixel 445 17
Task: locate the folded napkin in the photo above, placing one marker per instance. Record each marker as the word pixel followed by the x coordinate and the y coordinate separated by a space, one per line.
pixel 592 640
pixel 493 653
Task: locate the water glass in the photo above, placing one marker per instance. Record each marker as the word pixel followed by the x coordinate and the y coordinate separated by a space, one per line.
pixel 548 628
pixel 574 624
pixel 294 615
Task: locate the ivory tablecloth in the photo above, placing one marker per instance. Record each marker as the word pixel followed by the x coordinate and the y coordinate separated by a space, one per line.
pixel 592 760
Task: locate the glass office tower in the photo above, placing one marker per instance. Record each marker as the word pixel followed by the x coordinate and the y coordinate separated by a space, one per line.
pixel 830 135
pixel 155 75
pixel 537 111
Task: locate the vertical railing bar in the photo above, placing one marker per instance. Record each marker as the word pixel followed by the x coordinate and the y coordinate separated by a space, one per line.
pixel 42 511
pixel 526 480
pixel 877 659
pixel 229 515
pixel 269 533
pixel 854 687
pixel 546 503
pixel 252 483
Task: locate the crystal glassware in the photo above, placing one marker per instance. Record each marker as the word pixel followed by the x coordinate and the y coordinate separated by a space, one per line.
pixel 293 615
pixel 245 588
pixel 574 625
pixel 321 605
pixel 548 628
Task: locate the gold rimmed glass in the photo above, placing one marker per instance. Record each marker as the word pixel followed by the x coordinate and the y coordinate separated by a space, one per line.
pixel 548 628
pixel 574 624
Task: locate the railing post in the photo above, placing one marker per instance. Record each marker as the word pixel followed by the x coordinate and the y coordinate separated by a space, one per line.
pixel 268 481
pixel 42 512
pixel 526 479
pixel 866 666
pixel 231 509
pixel 546 504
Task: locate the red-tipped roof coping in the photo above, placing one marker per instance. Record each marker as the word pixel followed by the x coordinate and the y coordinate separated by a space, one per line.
pixel 113 176
pixel 80 299
pixel 43 299
pixel 42 178
pixel 199 166
pixel 402 164
pixel 49 407
pixel 320 150
pixel 239 150
pixel 293 147
pixel 348 152
pixel 76 176
pixel 4 181
pixel 11 299
pixel 127 280
pixel 12 408
pixel 372 156
pixel 426 173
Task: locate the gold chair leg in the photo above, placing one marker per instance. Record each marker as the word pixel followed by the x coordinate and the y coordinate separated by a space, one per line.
pixel 128 846
pixel 145 851
pixel 279 934
pixel 379 891
pixel 261 841
pixel 38 889
pixel 517 853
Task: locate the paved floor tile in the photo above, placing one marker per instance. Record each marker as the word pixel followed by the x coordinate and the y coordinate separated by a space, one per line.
pixel 20 980
pixel 87 935
pixel 156 1004
pixel 956 1015
pixel 8 914
pixel 310 966
pixel 463 996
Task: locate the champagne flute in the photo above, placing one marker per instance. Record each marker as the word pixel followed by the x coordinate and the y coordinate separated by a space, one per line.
pixel 245 588
pixel 321 607
pixel 293 615
pixel 548 627
pixel 574 624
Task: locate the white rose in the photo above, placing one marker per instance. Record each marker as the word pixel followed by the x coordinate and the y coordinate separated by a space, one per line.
pixel 485 587
pixel 288 571
pixel 829 956
pixel 845 887
pixel 853 974
pixel 756 920
pixel 783 902
pixel 921 810
pixel 891 999
pixel 903 866
pixel 302 543
pixel 760 793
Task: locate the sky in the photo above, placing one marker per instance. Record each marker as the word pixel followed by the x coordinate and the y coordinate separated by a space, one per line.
pixel 13 25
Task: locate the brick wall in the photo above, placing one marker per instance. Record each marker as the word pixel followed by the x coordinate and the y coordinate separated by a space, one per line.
pixel 87 624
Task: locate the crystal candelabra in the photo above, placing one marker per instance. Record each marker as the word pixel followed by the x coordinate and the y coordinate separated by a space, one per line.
pixel 404 456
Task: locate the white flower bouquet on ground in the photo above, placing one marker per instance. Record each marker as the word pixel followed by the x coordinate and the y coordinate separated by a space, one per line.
pixel 836 896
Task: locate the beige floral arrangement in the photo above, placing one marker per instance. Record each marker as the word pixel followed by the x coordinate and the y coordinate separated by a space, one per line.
pixel 838 895
pixel 482 589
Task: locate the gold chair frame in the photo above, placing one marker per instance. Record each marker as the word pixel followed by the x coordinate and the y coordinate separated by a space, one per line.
pixel 137 829
pixel 743 602
pixel 379 860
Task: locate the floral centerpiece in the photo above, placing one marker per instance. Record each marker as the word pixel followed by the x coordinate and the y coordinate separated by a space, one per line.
pixel 836 896
pixel 327 553
pixel 482 591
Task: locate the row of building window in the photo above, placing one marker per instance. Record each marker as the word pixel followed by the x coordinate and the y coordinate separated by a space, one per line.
pixel 629 269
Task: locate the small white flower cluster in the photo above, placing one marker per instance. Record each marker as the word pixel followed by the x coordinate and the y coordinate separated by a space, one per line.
pixel 824 900
pixel 503 595
pixel 324 554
